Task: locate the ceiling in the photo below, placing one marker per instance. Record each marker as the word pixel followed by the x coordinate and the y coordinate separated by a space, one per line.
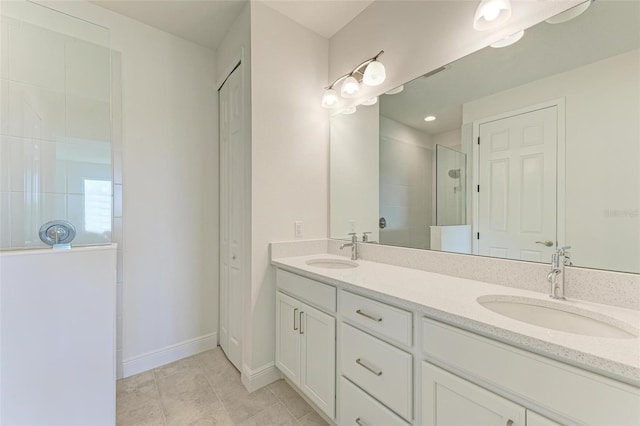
pixel 206 22
pixel 604 30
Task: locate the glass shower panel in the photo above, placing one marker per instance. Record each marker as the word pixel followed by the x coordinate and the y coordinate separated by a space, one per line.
pixel 55 130
pixel 451 186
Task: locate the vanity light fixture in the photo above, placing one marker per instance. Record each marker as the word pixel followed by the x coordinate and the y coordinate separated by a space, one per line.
pixel 508 41
pixel 395 91
pixel 491 14
pixel 429 118
pixel 568 15
pixel 371 73
pixel 370 101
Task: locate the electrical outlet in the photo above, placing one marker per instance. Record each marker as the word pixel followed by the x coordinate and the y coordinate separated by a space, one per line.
pixel 352 226
pixel 298 228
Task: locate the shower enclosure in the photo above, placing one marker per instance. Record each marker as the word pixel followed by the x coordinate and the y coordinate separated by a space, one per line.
pixel 57 307
pixel 55 126
pixel 451 186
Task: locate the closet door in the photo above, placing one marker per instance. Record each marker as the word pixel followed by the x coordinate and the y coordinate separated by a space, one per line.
pixel 232 216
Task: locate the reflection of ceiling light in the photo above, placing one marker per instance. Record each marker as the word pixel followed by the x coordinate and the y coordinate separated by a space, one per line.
pixel 395 91
pixel 349 110
pixel 568 15
pixel 429 118
pixel 370 101
pixel 491 14
pixel 509 40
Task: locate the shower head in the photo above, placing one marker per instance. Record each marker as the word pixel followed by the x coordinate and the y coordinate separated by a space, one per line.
pixel 454 173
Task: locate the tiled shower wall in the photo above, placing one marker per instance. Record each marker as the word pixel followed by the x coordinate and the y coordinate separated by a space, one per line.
pixel 55 127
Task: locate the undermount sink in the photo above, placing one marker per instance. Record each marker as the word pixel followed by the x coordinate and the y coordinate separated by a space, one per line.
pixel 332 263
pixel 553 315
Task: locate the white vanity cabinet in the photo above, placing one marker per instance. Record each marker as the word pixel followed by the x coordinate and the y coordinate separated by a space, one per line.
pixel 450 400
pixel 573 394
pixel 382 371
pixel 306 344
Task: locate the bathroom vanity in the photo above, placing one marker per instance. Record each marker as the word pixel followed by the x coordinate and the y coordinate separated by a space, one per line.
pixel 377 344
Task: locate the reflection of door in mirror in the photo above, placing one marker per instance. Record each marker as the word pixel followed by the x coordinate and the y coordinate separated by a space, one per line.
pixel 516 192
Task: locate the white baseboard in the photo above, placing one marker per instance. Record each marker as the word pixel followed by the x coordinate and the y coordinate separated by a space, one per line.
pixel 260 377
pixel 169 354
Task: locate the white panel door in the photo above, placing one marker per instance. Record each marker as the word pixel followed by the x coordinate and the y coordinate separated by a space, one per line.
pixel 288 336
pixel 448 400
pixel 232 216
pixel 517 185
pixel 318 378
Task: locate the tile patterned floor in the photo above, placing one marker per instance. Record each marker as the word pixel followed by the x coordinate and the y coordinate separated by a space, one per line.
pixel 206 390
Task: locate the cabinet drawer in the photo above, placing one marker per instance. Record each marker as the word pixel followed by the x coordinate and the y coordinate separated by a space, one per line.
pixel 388 321
pixel 380 369
pixel 357 408
pixel 314 292
pixel 574 394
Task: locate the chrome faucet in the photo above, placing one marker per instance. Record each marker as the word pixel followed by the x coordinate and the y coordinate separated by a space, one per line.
pixel 353 244
pixel 556 275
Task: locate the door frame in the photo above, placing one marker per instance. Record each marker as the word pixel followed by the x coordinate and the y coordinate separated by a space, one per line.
pixel 559 103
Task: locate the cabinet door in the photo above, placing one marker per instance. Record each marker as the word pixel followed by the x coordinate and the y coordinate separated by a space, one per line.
pixel 288 336
pixel 318 378
pixel 535 419
pixel 450 400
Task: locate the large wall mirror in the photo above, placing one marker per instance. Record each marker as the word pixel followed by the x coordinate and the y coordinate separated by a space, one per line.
pixel 533 146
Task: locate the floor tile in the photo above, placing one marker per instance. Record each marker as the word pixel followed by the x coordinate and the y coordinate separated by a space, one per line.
pixel 290 398
pixel 183 365
pixel 275 415
pixel 242 405
pixel 148 413
pixel 137 393
pixel 312 419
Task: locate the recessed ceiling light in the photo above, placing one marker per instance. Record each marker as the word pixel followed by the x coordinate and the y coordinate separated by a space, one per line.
pixel 429 118
pixel 508 41
pixel 395 91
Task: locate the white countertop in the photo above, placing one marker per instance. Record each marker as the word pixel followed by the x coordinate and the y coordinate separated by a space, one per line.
pixel 454 300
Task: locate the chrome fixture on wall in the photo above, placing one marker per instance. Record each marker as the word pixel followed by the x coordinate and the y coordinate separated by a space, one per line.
pixel 57 233
pixel 370 73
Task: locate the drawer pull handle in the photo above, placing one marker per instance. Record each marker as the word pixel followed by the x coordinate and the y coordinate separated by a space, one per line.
pixel 360 422
pixel 373 370
pixel 295 313
pixel 366 315
pixel 509 422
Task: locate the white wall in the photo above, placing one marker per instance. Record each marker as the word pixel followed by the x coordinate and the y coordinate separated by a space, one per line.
pixel 290 157
pixel 420 36
pixel 354 175
pixel 602 152
pixel 451 139
pixel 170 166
pixel 406 185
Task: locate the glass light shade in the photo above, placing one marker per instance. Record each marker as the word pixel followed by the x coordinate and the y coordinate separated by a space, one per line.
pixel 568 15
pixel 350 87
pixel 508 41
pixel 348 111
pixel 491 14
pixel 374 74
pixel 330 98
pixel 370 101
